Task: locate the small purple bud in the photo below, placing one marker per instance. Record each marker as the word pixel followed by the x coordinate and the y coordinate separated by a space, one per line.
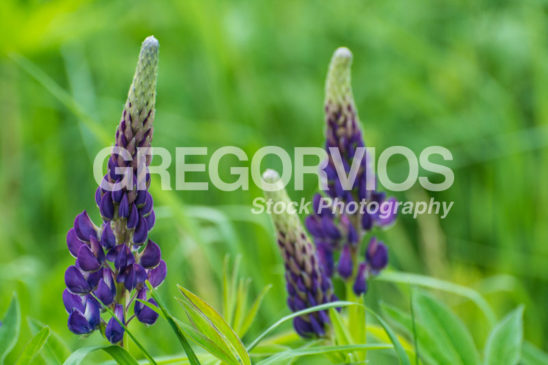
pixel 330 228
pixel 108 239
pixel 360 285
pixel 302 327
pixel 117 195
pixel 114 332
pixel 367 221
pixel 151 255
pixel 145 314
pixel 106 291
pixel 387 212
pixel 145 209
pixel 377 255
pixel 157 275
pixel 141 197
pixel 352 235
pixel 73 242
pixel 107 206
pixel 133 218
pixel 123 209
pixel 76 282
pixel 84 227
pixel 141 231
pixel 98 195
pixel 345 263
pixel 317 327
pixel 151 219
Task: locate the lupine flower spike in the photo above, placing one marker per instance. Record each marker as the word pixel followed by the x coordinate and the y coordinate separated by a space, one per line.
pixel 114 259
pixel 307 284
pixel 339 234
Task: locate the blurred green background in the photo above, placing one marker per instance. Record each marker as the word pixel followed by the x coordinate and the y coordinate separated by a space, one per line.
pixel 468 75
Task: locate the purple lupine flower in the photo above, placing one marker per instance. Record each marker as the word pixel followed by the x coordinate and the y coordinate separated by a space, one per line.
pixel 307 284
pixel 114 259
pixel 338 234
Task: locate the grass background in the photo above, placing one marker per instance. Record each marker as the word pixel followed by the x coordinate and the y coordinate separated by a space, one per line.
pixel 468 75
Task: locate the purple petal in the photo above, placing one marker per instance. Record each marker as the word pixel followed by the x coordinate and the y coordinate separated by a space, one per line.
pixel 124 257
pixel 330 228
pixel 86 260
pixel 360 285
pixel 114 332
pixel 133 276
pixel 141 197
pixel 313 225
pixel 123 209
pixel 302 327
pixel 104 293
pixel 93 311
pixel 147 207
pixel 97 249
pixel 133 218
pixel 84 227
pixel 145 314
pixel 108 239
pixel 117 195
pixel 151 219
pixel 377 255
pixel 316 326
pixel 345 263
pixel 98 195
pixel 73 242
pixel 73 302
pixel 107 206
pixel 78 324
pixel 367 221
pixel 140 234
pixel 151 255
pixel 157 275
pixel 76 282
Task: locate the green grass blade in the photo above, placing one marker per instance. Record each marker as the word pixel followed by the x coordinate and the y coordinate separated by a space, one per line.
pixel 218 321
pixel 55 350
pixel 296 353
pixel 9 331
pixel 252 313
pixel 296 314
pixel 433 283
pixel 180 335
pixel 400 352
pixel 34 346
pixel 531 355
pixel 119 354
pixel 503 346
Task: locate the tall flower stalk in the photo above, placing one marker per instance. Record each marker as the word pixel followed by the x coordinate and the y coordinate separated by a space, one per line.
pixel 115 258
pixel 307 284
pixel 338 234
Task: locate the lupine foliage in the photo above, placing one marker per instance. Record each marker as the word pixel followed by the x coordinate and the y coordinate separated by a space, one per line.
pixel 465 75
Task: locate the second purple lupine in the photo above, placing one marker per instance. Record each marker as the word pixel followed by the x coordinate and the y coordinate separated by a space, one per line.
pixel 338 235
pixel 114 259
pixel 306 282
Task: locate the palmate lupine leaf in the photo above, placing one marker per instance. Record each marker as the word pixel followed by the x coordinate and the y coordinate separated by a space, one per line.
pixel 447 328
pixel 9 330
pixel 503 346
pixel 216 320
pixel 34 346
pixel 119 354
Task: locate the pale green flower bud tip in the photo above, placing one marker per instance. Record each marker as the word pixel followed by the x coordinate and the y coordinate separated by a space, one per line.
pixel 142 93
pixel 338 87
pixel 271 176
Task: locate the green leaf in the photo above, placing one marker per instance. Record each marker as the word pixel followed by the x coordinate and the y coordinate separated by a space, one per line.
pixel 171 320
pixel 433 283
pixel 400 352
pixel 296 314
pixel 241 304
pixel 219 323
pixel 9 331
pixel 34 347
pixel 55 349
pixel 531 355
pixel 428 347
pixel 504 342
pixel 119 354
pixel 446 328
pixel 342 336
pixel 209 332
pixel 252 313
pixel 296 353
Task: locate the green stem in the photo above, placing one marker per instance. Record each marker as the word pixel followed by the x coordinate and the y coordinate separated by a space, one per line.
pixel 356 320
